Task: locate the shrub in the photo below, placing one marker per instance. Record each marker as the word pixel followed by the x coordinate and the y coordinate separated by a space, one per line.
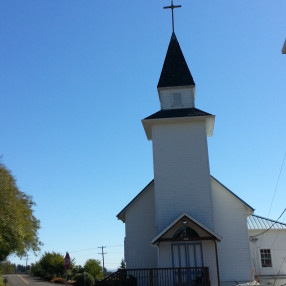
pixel 93 267
pixel 83 279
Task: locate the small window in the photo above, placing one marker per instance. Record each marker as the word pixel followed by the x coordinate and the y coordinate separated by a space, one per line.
pixel 177 99
pixel 265 258
pixel 185 232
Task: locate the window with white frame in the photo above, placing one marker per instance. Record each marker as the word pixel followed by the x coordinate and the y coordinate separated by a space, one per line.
pixel 265 258
pixel 177 99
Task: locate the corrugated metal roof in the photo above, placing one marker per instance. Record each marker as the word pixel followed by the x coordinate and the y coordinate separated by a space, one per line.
pixel 258 222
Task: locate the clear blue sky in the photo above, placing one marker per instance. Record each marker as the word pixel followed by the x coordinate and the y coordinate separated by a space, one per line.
pixel 76 78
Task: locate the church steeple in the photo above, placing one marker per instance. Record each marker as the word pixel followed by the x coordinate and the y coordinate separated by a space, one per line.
pixel 176 86
pixel 175 71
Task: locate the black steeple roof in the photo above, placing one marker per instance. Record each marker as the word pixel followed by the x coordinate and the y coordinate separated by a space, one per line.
pixel 175 71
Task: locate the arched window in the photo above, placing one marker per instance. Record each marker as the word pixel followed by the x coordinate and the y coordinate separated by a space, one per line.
pixel 185 232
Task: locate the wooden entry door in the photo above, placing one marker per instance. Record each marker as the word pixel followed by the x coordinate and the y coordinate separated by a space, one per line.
pixel 187 255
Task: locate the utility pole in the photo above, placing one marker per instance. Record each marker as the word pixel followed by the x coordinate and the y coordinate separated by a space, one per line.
pixel 102 253
pixel 26 262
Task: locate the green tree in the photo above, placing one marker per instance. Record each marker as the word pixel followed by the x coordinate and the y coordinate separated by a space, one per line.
pixel 83 279
pixel 93 267
pixel 76 270
pixel 18 226
pixel 7 267
pixel 122 264
pixel 52 264
pixel 36 269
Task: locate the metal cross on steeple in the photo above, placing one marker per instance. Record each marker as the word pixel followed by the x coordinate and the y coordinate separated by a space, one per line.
pixel 172 7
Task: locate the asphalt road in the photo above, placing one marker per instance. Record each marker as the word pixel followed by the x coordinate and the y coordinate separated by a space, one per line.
pixel 25 280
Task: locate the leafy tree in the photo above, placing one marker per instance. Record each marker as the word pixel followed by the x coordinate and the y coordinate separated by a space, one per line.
pixel 36 269
pixel 7 267
pixel 51 265
pixel 93 267
pixel 21 268
pixel 76 270
pixel 83 279
pixel 18 226
pixel 122 264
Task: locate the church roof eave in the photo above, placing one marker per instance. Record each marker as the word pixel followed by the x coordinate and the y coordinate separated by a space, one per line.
pixel 177 116
pixel 121 214
pixel 245 204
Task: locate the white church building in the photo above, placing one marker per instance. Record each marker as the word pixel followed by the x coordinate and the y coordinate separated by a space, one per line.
pixel 186 225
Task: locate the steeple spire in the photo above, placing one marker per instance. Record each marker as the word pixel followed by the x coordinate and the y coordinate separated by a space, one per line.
pixel 175 71
pixel 172 7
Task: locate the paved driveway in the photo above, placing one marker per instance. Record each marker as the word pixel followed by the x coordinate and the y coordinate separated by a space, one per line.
pixel 25 279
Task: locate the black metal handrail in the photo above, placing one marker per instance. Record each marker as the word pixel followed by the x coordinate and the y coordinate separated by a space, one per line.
pixel 188 276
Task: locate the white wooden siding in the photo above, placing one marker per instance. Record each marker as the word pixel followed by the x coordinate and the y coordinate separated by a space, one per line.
pixel 181 173
pixel 187 95
pixel 165 255
pixel 230 222
pixel 140 230
pixel 275 240
pixel 210 260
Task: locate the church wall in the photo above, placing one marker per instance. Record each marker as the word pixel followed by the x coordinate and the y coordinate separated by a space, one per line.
pixel 230 222
pixel 139 231
pixel 187 97
pixel 181 173
pixel 165 256
pixel 210 260
pixel 275 241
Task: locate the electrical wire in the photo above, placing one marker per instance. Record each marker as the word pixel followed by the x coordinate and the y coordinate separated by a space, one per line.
pixel 270 226
pixel 278 179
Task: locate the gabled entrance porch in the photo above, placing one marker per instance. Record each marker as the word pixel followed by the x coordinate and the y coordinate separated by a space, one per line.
pixel 186 243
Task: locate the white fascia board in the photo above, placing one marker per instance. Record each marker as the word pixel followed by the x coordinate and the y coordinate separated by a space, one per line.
pixel 175 88
pixel 148 123
pixel 248 208
pixel 218 237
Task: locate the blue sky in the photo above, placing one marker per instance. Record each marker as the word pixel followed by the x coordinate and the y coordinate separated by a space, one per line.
pixel 77 77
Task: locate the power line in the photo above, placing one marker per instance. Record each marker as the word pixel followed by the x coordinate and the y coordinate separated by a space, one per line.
pixel 275 189
pixel 277 235
pixel 270 226
pixel 92 248
pixel 82 250
pixel 274 193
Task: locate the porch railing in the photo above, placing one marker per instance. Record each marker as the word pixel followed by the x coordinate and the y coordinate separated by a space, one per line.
pixel 189 276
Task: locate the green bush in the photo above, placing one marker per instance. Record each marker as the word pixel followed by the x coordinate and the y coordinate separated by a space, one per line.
pixel 83 279
pixel 93 267
pixel 37 270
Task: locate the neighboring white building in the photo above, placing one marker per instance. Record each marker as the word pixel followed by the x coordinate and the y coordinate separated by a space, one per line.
pixel 267 245
pixel 185 217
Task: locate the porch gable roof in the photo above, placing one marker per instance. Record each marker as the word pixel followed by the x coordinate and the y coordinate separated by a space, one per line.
pixel 196 222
